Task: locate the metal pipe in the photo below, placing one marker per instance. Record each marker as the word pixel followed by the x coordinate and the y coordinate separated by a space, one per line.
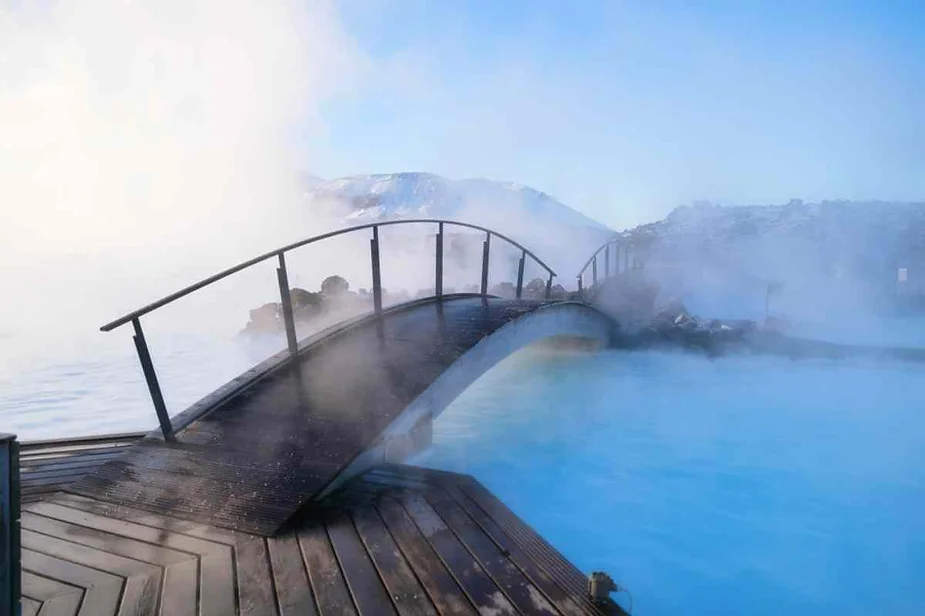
pixel 286 298
pixel 10 541
pixel 594 271
pixel 581 290
pixel 549 287
pixel 154 388
pixel 485 248
pixel 438 274
pixel 377 281
pixel 607 262
pixel 520 275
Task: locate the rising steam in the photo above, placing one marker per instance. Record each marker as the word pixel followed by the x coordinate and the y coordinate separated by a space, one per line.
pixel 147 144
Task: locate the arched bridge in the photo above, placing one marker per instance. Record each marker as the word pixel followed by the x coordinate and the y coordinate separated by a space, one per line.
pixel 292 429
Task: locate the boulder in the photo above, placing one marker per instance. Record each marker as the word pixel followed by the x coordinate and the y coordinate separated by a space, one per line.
pixel 265 319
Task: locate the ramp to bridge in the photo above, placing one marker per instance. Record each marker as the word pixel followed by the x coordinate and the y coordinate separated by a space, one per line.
pixel 254 460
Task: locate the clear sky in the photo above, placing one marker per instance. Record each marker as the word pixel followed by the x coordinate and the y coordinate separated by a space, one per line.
pixel 626 109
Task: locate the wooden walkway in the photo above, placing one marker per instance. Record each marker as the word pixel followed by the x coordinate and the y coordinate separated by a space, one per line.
pixel 398 540
pixel 253 461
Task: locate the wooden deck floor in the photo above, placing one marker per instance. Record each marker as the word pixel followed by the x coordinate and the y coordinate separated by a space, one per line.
pixel 254 461
pixel 398 540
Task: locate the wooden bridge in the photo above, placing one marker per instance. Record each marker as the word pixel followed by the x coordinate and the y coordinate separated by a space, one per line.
pixel 279 492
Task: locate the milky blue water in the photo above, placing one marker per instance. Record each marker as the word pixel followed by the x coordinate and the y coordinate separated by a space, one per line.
pixel 730 486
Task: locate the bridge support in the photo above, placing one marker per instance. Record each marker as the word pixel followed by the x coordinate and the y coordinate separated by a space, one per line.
pixel 438 273
pixel 9 525
pixel 520 274
pixel 377 280
pixel 286 299
pixel 485 248
pixel 154 388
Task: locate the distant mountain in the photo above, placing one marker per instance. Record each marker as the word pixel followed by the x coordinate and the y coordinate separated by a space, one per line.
pixel 537 220
pixel 852 251
pixel 407 195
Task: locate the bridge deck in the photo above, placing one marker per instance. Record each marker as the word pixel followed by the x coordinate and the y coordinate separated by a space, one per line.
pixel 398 540
pixel 251 463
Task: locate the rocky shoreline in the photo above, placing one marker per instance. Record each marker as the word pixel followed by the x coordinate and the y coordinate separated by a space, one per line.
pixel 335 301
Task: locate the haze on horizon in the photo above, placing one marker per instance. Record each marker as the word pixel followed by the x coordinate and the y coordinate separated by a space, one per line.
pixel 182 131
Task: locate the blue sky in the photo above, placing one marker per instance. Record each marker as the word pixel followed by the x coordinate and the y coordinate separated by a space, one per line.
pixel 626 109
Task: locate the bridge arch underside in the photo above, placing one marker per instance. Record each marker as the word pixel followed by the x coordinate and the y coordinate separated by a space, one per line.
pixel 354 397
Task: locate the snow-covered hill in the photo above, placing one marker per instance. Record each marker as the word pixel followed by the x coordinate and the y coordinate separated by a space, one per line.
pixel 848 252
pixel 406 195
pixel 554 231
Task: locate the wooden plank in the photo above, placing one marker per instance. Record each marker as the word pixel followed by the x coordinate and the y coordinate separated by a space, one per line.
pixel 516 586
pixel 82 452
pixel 57 598
pixel 53 480
pixel 445 593
pixel 481 589
pixel 404 588
pixel 561 598
pixel 256 595
pixel 30 607
pixel 358 570
pixel 101 590
pixel 180 589
pixel 292 587
pixel 57 471
pixel 216 579
pixel 118 437
pixel 324 570
pixel 71 446
pixel 60 464
pixel 142 580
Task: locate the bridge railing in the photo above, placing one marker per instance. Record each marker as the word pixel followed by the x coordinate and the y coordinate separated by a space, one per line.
pixel 611 253
pixel 141 346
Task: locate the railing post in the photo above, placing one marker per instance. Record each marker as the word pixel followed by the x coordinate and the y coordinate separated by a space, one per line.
pixel 147 366
pixel 520 274
pixel 606 261
pixel 286 298
pixel 438 274
pixel 377 280
pixel 581 290
pixel 594 271
pixel 10 546
pixel 485 248
pixel 549 286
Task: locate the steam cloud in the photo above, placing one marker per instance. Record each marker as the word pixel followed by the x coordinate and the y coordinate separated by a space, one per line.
pixel 146 144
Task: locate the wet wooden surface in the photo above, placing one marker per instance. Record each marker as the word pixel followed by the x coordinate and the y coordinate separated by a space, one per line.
pixel 398 540
pixel 250 464
pixel 50 465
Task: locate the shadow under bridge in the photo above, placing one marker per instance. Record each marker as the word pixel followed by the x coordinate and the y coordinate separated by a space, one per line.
pixel 288 432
